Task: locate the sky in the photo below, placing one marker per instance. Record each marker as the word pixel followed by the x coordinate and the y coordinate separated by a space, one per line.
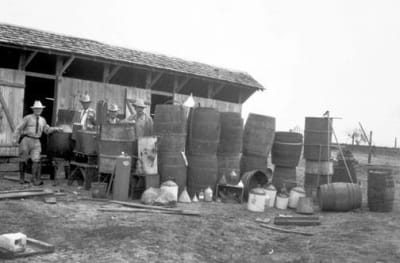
pixel 310 55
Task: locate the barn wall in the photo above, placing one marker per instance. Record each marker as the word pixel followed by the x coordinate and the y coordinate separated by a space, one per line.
pixel 12 83
pixel 70 90
pixel 205 102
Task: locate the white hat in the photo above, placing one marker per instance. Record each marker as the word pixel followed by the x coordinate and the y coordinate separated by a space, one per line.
pixel 37 105
pixel 113 107
pixel 85 98
pixel 139 103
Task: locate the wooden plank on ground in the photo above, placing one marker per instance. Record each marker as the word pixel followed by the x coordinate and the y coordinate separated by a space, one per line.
pixel 136 205
pixel 24 194
pixel 140 210
pixel 286 230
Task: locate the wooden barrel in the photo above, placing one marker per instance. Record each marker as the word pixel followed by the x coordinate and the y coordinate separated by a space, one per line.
pixel 227 164
pixel 169 119
pixel 231 136
pixel 253 179
pixel 340 197
pixel 380 190
pixel 286 150
pixel 171 143
pixel 284 176
pixel 202 173
pixel 258 135
pixel 340 173
pixel 115 139
pixel 86 142
pixel 204 131
pixel 317 138
pixel 60 145
pixel 251 163
pixel 172 166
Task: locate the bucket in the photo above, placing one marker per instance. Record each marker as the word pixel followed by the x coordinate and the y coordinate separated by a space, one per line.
pixel 317 138
pixel 282 201
pixel 252 180
pixel 204 131
pixel 99 190
pixel 14 242
pixel 294 196
pixel 231 136
pixel 170 187
pixel 258 135
pixel 381 190
pixel 271 192
pixel 257 199
pixel 339 197
pixel 284 176
pixel 286 150
pixel 172 166
pixel 251 163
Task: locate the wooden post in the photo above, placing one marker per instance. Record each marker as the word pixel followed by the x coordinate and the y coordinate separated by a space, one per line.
pixel 59 66
pixel 370 147
pixel 395 142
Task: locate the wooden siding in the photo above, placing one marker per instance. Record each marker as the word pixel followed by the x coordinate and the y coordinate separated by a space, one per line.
pixel 221 106
pixel 12 83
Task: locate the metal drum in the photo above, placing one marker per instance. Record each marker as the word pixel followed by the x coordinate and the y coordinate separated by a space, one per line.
pixel 86 142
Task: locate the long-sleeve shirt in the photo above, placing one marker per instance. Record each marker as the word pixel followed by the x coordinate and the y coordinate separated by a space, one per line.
pixel 32 126
pixel 144 124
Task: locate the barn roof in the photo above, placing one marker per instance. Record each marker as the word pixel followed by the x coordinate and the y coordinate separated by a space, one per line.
pixel 27 37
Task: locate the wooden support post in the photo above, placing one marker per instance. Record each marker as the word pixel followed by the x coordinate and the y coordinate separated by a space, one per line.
pixel 210 90
pixel 66 65
pixel 59 67
pixel 28 60
pixel 112 73
pixel 150 80
pixel 106 72
pixel 217 90
pixel 370 147
pixel 22 59
pixel 178 85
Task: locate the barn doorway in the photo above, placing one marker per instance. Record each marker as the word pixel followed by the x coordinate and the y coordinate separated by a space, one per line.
pixel 43 90
pixel 159 99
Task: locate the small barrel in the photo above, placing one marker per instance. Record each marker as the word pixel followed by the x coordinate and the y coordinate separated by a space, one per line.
pixel 253 179
pixel 169 119
pixel 317 138
pixel 286 150
pixel 340 197
pixel 60 145
pixel 251 163
pixel 86 142
pixel 258 135
pixel 202 173
pixel 172 166
pixel 284 176
pixel 380 190
pixel 227 164
pixel 231 136
pixel 204 131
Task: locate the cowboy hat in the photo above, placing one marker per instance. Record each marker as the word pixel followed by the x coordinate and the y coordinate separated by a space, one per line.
pixel 139 103
pixel 37 105
pixel 113 107
pixel 85 98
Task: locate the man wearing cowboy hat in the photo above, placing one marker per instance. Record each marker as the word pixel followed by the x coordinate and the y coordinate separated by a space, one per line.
pixel 113 114
pixel 28 132
pixel 144 123
pixel 87 116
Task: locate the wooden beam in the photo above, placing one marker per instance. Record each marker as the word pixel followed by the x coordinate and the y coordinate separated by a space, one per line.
pixel 39 75
pixel 22 59
pixel 7 112
pixel 164 93
pixel 28 60
pixel 178 86
pixel 59 67
pixel 112 73
pixel 150 84
pixel 217 90
pixel 66 65
pixel 12 84
pixel 240 98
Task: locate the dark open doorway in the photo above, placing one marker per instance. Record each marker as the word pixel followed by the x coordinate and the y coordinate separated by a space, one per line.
pixel 43 90
pixel 159 99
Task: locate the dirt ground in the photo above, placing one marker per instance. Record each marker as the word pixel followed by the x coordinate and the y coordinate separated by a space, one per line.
pixel 223 233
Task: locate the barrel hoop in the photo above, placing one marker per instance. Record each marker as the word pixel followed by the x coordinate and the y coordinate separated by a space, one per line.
pixel 288 143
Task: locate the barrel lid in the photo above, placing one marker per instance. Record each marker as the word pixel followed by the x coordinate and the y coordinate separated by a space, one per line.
pixel 169 183
pixel 258 191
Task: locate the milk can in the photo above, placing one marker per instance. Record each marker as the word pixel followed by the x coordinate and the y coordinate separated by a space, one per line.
pixel 257 198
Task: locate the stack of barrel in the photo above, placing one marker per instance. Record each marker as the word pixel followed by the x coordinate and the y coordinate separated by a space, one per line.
pixel 258 137
pixel 344 169
pixel 203 140
pixel 170 124
pixel 230 146
pixel 317 152
pixel 286 152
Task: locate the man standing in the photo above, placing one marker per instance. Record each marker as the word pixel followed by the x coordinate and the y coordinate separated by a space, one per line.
pixel 28 133
pixel 87 116
pixel 144 123
pixel 113 114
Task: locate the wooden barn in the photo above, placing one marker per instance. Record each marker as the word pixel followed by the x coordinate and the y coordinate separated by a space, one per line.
pixel 56 69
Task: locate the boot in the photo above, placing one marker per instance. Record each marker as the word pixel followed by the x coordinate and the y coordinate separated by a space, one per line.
pixel 22 167
pixel 36 173
pixel 67 170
